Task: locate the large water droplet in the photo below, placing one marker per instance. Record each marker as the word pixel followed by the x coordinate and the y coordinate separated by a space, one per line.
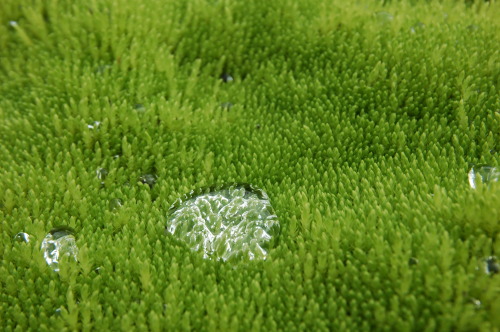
pixel 481 175
pixel 58 243
pixel 491 266
pixel 22 237
pixel 227 223
pixel 148 179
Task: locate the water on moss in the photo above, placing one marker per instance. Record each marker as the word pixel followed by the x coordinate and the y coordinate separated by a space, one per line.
pixel 227 223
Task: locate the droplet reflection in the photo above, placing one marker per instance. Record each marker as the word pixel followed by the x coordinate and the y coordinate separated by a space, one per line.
pixel 58 243
pixel 491 265
pixel 22 237
pixel 227 223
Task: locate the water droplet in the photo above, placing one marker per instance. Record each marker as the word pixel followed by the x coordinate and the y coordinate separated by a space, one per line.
pixel 412 261
pixel 116 156
pixel 94 125
pixel 227 223
pixel 476 303
pixel 481 175
pixel 98 270
pixel 115 204
pixel 139 107
pixel 58 243
pixel 257 126
pixel 148 179
pixel 101 173
pixel 384 17
pixel 418 26
pixel 227 106
pixel 22 237
pixel 58 311
pixel 226 78
pixel 13 23
pixel 491 266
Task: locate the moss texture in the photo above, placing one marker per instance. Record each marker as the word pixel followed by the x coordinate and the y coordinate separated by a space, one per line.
pixel 360 120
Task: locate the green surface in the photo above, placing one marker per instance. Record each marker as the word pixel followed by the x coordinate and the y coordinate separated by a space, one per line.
pixel 360 122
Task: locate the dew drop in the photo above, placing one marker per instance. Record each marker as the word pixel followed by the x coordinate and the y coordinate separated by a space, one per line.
pixel 226 78
pixel 483 175
pixel 94 125
pixel 101 173
pixel 13 23
pixel 115 204
pixel 22 237
pixel 139 107
pixel 412 261
pixel 148 179
pixel 226 106
pixel 384 17
pixel 477 304
pixel 491 266
pixel 58 243
pixel 225 223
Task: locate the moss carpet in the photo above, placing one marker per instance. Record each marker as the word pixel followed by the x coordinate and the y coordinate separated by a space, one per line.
pixel 360 120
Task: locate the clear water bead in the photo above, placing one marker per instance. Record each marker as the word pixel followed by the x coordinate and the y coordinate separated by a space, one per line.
pixel 226 223
pixel 491 265
pixel 148 179
pixel 58 243
pixel 226 78
pixel 483 175
pixel 115 204
pixel 94 125
pixel 101 173
pixel 22 237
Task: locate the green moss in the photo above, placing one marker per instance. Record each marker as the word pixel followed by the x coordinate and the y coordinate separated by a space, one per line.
pixel 360 121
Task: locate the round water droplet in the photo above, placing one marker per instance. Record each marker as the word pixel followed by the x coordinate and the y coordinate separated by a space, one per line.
pixel 226 77
pixel 476 303
pixel 13 23
pixel 94 125
pixel 58 243
pixel 101 173
pixel 412 261
pixel 139 107
pixel 227 223
pixel 22 237
pixel 481 175
pixel 148 179
pixel 115 204
pixel 491 265
pixel 384 17
pixel 226 106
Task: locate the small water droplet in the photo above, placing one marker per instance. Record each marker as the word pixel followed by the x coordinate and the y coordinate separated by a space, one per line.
pixel 59 242
pixel 116 156
pixel 491 266
pixel 226 78
pixel 22 237
pixel 227 106
pixel 98 270
pixel 139 107
pixel 115 204
pixel 94 125
pixel 384 17
pixel 101 173
pixel 476 303
pixel 13 23
pixel 483 175
pixel 228 223
pixel 417 26
pixel 257 126
pixel 148 179
pixel 412 261
pixel 58 311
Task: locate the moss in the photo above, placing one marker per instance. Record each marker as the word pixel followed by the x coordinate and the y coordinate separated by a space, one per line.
pixel 360 121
